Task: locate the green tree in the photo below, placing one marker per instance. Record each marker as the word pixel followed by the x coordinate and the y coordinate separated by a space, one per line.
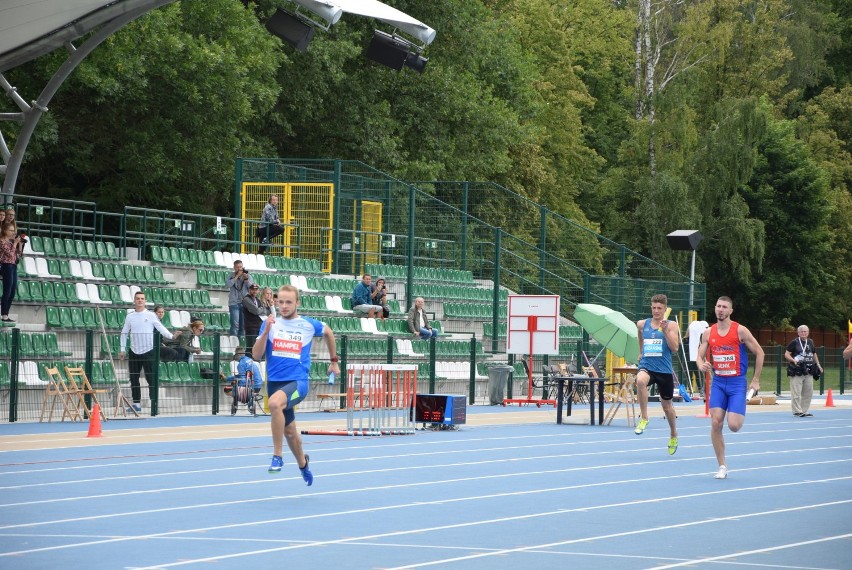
pixel 156 115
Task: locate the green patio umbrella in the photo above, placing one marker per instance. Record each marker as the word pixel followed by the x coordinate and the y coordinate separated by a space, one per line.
pixel 610 328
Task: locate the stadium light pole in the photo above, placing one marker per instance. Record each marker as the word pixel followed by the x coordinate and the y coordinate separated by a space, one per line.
pixel 686 240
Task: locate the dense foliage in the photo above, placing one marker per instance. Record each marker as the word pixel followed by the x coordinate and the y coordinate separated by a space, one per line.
pixel 727 116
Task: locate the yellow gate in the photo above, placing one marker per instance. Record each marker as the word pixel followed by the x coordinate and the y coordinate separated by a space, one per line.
pixel 306 210
pixel 371 233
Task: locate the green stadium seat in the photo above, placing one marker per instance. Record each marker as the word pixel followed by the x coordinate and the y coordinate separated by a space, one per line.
pixel 91 251
pixel 90 320
pixel 26 345
pixel 138 274
pixel 157 254
pixel 68 249
pixel 195 373
pixel 159 277
pixel 36 292
pixel 111 251
pixel 79 249
pixel 113 319
pixel 101 251
pixel 174 254
pixel 52 317
pixel 76 318
pixel 22 294
pixel 183 372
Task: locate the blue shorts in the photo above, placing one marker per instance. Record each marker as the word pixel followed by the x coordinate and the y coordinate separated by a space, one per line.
pixel 729 393
pixel 296 392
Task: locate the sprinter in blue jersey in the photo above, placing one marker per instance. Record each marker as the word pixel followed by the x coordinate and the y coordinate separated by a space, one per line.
pixel 286 341
pixel 658 338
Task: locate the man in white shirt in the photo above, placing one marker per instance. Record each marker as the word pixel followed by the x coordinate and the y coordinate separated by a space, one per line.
pixel 693 333
pixel 140 325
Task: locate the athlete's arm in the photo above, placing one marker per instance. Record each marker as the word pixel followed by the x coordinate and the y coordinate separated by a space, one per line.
pixel 328 335
pixel 672 332
pixel 751 343
pixel 639 326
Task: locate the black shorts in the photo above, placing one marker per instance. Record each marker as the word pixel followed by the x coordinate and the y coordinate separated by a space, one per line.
pixel 664 382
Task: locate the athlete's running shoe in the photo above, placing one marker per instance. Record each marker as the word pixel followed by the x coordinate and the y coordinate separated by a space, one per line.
pixel 722 473
pixel 306 472
pixel 276 465
pixel 641 427
pixel 672 445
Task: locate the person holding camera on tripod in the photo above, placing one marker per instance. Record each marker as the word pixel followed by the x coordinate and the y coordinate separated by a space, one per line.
pixel 803 369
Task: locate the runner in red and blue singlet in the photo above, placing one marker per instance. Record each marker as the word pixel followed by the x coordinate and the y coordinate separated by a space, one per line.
pixel 723 351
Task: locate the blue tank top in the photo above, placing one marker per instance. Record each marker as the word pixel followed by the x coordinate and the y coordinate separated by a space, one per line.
pixel 288 348
pixel 656 354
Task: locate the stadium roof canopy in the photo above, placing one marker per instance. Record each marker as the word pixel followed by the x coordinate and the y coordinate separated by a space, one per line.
pixel 31 28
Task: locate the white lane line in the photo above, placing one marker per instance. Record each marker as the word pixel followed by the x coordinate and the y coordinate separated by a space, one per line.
pixel 604 537
pixel 750 552
pixel 410 505
pixel 66 482
pixel 504 519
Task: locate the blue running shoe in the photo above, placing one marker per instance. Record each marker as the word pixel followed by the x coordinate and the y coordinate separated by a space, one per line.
pixel 277 463
pixel 306 472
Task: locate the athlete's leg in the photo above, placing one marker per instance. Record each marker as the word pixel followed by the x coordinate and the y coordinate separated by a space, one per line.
pixel 717 421
pixel 735 421
pixel 294 442
pixel 277 405
pixel 642 378
pixel 671 416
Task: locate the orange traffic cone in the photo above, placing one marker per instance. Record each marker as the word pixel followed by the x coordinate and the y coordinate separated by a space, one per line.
pixel 829 400
pixel 95 422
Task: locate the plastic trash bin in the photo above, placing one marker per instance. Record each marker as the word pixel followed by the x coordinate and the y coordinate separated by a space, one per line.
pixel 498 377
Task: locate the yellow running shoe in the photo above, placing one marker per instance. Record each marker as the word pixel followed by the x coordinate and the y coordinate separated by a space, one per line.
pixel 672 445
pixel 643 423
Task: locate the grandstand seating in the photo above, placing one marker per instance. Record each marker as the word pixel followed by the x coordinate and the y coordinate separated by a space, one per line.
pixel 84 285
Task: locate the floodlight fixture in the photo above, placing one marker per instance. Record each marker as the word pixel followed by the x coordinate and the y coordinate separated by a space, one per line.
pixel 325 9
pixel 290 28
pixel 686 240
pixel 395 52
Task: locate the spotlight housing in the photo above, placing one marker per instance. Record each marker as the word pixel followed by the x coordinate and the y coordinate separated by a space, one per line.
pixel 291 29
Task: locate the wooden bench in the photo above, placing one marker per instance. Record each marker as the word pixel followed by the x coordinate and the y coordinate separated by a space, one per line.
pixel 330 397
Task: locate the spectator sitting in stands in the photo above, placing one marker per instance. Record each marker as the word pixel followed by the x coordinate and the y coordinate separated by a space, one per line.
pixel 362 301
pixel 167 354
pixel 379 296
pixel 418 323
pixel 185 343
pixel 270 226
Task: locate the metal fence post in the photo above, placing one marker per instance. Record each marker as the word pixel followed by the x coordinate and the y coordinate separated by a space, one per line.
pixel 13 372
pixel 472 395
pixel 779 360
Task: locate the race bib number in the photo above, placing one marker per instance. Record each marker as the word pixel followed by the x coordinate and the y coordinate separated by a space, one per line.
pixel 287 347
pixel 653 347
pixel 725 364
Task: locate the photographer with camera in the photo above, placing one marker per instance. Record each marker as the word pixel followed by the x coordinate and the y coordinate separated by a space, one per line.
pixel 238 287
pixel 379 296
pixel 803 369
